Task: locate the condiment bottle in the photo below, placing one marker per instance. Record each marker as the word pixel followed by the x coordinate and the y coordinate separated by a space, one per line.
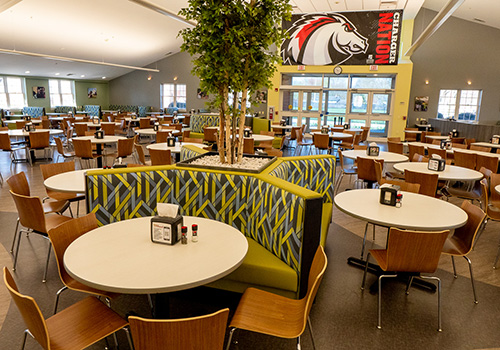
pixel 194 229
pixel 184 231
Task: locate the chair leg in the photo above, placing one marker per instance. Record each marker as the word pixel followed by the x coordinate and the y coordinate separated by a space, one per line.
pixel 364 273
pixel 480 232
pixel 311 332
pixel 410 281
pixel 47 263
pixel 439 299
pixel 472 280
pixel 231 332
pixel 57 297
pixel 454 269
pixel 129 338
pixel 364 240
pixel 24 339
pixel 498 256
pixel 15 236
pixel 379 313
pixel 17 250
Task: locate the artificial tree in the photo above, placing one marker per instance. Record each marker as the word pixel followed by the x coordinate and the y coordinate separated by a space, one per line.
pixel 231 49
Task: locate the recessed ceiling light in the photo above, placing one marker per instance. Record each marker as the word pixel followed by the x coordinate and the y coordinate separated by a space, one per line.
pixel 57 73
pixel 27 72
pixel 82 76
pixel 103 77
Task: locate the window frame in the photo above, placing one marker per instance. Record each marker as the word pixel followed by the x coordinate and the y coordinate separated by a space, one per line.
pixel 8 94
pixel 176 96
pixel 457 105
pixel 60 94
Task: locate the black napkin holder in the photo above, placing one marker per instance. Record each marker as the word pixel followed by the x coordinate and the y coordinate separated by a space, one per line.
pixel 388 195
pixel 246 133
pixel 171 141
pixel 133 117
pixel 99 134
pixel 373 151
pixel 27 127
pixel 454 133
pixel 346 126
pixel 324 129
pixel 27 118
pixel 96 121
pixel 436 164
pixel 495 139
pixel 283 122
pixel 445 144
pixel 166 230
pixel 156 127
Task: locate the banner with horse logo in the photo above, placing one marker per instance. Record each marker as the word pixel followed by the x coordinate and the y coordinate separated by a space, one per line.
pixel 348 38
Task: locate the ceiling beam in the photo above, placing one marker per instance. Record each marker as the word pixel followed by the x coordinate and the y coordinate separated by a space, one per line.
pixel 163 11
pixel 77 60
pixel 6 4
pixel 435 24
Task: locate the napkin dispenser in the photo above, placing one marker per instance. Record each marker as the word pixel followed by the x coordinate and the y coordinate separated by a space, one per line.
pixel 436 164
pixel 495 139
pixel 346 126
pixel 445 144
pixel 373 150
pixel 156 126
pixel 283 122
pixel 96 121
pixel 27 118
pixel 175 121
pixel 99 134
pixel 389 194
pixel 133 117
pixel 166 227
pixel 246 133
pixel 454 133
pixel 324 129
pixel 171 141
pixel 27 127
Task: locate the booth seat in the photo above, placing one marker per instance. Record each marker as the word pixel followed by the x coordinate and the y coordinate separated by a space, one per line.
pixel 124 108
pixel 65 109
pixel 94 110
pixel 34 112
pixel 278 218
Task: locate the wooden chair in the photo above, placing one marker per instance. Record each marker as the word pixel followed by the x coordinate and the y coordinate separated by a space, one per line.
pixel 300 142
pixel 61 237
pixel 394 139
pixel 458 140
pixel 459 145
pixel 140 154
pixel 193 140
pixel 39 141
pixel 492 205
pixel 185 133
pixel 202 332
pixel 186 121
pixel 344 170
pixel 489 162
pixel 162 135
pixel 360 147
pixel 364 133
pixel 274 152
pixel 6 145
pixel 429 133
pixel 395 147
pixel 124 149
pixel 60 150
pixel 468 142
pixel 33 220
pixel 45 124
pixel 480 148
pixel 248 145
pixel 366 170
pixel 20 124
pixel 80 129
pixel 419 158
pixel 437 151
pixel 468 191
pixel 461 242
pixel 428 182
pixel 464 159
pixel 83 151
pixel 168 119
pixel 321 142
pixel 108 128
pixel 412 149
pixel 263 145
pixel 411 252
pixel 268 313
pixel 76 327
pixel 160 156
pixel 144 123
pixel 409 136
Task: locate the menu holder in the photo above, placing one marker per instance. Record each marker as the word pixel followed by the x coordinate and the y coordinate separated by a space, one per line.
pixel 96 121
pixel 445 144
pixel 166 230
pixel 246 133
pixel 171 141
pixel 373 151
pixel 99 134
pixel 389 194
pixel 346 126
pixel 436 164
pixel 495 139
pixel 325 129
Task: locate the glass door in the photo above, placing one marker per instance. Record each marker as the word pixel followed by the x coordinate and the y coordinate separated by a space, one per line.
pixel 372 109
pixel 301 107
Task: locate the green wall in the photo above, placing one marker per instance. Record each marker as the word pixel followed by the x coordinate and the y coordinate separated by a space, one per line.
pixel 38 102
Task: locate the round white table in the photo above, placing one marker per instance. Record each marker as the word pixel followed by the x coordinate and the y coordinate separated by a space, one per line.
pixel 176 149
pixel 388 157
pixel 91 124
pixel 450 172
pixel 334 135
pixel 418 212
pixel 151 132
pixel 99 142
pixel 436 137
pixel 120 257
pixel 70 181
pixel 341 129
pixel 497 188
pixel 34 121
pixel 23 133
pixel 486 144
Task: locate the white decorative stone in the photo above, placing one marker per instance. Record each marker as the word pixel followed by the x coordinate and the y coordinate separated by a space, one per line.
pixel 249 163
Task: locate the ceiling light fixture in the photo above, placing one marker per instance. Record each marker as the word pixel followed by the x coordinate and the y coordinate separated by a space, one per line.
pixel 27 72
pixel 163 11
pixel 103 78
pixel 58 73
pixel 77 60
pixel 82 76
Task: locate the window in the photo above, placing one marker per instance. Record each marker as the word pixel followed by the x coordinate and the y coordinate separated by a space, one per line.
pixel 459 104
pixel 62 92
pixel 173 95
pixel 12 93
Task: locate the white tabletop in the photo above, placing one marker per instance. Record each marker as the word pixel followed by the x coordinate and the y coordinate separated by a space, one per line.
pixel 258 137
pixel 423 125
pixel 418 212
pixel 60 119
pixel 105 139
pixel 450 172
pixel 341 129
pixel 151 132
pixel 120 257
pixel 437 137
pixel 34 121
pixel 388 157
pixel 176 148
pixel 56 114
pixel 486 144
pixel 22 132
pixel 91 124
pixel 451 151
pixel 129 119
pixel 413 131
pixel 497 188
pixel 334 135
pixel 283 127
pixel 71 181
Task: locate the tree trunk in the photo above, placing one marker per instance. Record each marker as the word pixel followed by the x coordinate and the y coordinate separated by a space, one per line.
pixel 244 96
pixel 222 121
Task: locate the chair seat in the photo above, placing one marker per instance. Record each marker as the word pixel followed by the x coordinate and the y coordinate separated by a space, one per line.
pixel 283 316
pixel 57 206
pixel 453 246
pixel 81 324
pixel 53 220
pixel 380 255
pixel 493 212
pixel 75 285
pixel 67 196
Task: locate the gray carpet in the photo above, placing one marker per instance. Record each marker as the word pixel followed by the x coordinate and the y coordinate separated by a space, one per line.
pixel 343 317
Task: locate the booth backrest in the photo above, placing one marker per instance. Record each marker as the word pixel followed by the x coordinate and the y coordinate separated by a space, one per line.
pixel 34 112
pixel 124 108
pixel 94 110
pixel 143 110
pixel 65 109
pixel 198 121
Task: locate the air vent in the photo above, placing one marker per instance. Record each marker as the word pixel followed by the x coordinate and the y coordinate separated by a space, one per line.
pixel 479 20
pixel 69 74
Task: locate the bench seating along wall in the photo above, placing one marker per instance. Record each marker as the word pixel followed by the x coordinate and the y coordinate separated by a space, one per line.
pixel 198 121
pixel 124 108
pixel 34 112
pixel 94 110
pixel 279 219
pixel 65 109
pixel 142 111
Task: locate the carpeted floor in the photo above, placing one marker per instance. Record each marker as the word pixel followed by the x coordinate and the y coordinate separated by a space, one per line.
pixel 343 317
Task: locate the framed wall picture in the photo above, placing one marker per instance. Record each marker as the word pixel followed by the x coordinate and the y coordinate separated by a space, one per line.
pixel 92 92
pixel 38 91
pixel 421 103
pixel 202 95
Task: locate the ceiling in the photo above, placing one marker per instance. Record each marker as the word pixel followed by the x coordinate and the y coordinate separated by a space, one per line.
pixel 123 32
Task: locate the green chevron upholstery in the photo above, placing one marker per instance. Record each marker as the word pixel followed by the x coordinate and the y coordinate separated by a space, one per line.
pixel 94 110
pixel 34 112
pixel 124 108
pixel 198 121
pixel 143 110
pixel 279 218
pixel 65 109
pixel 190 151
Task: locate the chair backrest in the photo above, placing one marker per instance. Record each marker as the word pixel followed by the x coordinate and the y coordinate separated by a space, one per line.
pixel 59 146
pixel 494 181
pixel 69 133
pixel 45 124
pixel 125 147
pixel 162 135
pixel 168 119
pixel 64 234
pixel 274 152
pixel 489 162
pixel 366 168
pixel 458 139
pixel 193 140
pixel 394 139
pixel 83 148
pixel 144 123
pixel 293 134
pixel 428 182
pixel 412 149
pixel 465 235
pixel 268 133
pixel 395 147
pixel 140 153
pixel 360 147
pixel 202 332
pixel 480 148
pixel 356 139
pixel 321 141
pixel 459 145
pixel 5 142
pixel 80 129
pixel 248 145
pixel 316 273
pixel 39 139
pixel 465 159
pixel 29 310
pixel 187 133
pixel 404 186
pixel 108 128
pixel 18 183
pixel 438 151
pixel 30 212
pixel 364 133
pixel 187 120
pixel 52 169
pixel 414 251
pixel 160 156
pixel 20 124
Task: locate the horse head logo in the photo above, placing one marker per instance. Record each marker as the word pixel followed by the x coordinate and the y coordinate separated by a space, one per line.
pixel 322 39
